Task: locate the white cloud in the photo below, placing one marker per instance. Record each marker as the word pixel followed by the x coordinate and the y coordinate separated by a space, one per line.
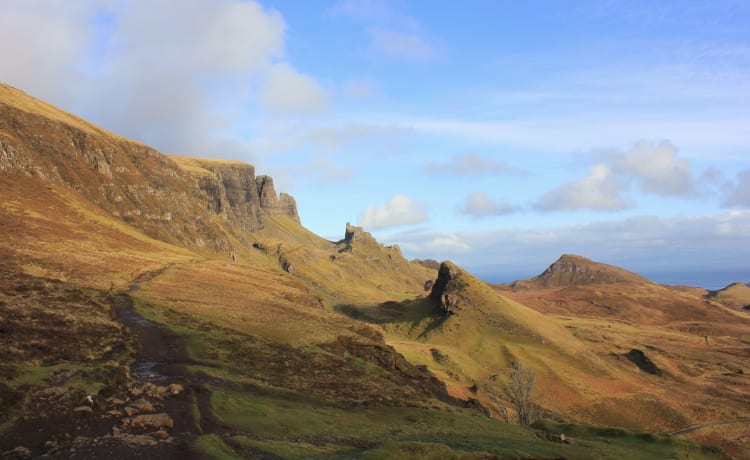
pixel 399 210
pixel 469 164
pixel 656 169
pixel 179 78
pixel 739 193
pixel 600 190
pixel 479 205
pixel 399 44
pixel 290 92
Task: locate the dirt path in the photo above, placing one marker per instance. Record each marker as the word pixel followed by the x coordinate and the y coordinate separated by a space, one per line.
pixel 107 427
pixel 709 425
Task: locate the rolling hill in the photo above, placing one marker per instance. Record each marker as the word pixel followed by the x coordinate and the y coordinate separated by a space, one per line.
pixel 171 307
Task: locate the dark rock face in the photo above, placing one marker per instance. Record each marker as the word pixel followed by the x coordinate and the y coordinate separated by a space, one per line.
pixel 447 289
pixel 644 363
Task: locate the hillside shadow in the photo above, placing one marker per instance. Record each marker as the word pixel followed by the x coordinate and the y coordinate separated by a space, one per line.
pixel 422 313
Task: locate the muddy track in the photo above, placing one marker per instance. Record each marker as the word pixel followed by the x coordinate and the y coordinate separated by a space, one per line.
pixel 162 358
pixel 709 425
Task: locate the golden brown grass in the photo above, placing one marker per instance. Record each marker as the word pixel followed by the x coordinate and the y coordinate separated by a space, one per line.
pixel 247 299
pixel 200 166
pixel 582 372
pixel 53 232
pixel 18 99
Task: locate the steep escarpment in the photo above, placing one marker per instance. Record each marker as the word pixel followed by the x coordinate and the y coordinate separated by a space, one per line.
pixel 235 192
pixel 207 208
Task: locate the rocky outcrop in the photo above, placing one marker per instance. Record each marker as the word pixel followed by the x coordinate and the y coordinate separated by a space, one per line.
pixel 270 204
pixel 447 289
pixel 355 238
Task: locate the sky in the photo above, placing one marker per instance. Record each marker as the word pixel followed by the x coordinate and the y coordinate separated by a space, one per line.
pixel 497 134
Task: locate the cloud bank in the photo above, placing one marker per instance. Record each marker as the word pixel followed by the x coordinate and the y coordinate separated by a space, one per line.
pixel 179 78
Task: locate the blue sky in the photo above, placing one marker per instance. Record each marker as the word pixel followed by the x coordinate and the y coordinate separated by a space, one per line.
pixel 497 134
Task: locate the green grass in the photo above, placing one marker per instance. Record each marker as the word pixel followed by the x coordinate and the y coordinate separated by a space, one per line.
pixel 212 446
pixel 273 398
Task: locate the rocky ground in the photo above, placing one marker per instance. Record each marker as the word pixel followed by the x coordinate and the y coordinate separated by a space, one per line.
pixel 149 412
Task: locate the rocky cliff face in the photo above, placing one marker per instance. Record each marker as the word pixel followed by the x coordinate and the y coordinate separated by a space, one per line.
pixel 235 192
pixel 284 204
pixel 132 181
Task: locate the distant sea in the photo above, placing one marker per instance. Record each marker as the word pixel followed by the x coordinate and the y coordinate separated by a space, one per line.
pixel 712 280
pixel 708 279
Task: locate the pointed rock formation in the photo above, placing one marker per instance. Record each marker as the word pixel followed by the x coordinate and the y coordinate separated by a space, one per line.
pixel 448 289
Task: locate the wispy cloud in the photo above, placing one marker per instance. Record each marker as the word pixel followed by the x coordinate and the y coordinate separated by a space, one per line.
pixel 479 205
pixel 410 45
pixel 469 164
pixel 391 32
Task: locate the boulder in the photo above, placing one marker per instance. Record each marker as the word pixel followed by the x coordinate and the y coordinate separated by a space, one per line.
pixel 158 421
pixel 142 405
pixel 83 410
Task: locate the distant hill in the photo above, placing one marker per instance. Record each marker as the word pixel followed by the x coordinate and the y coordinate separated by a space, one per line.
pixel 574 270
pixel 736 295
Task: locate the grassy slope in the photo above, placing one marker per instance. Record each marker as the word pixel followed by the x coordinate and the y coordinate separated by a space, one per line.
pixel 231 313
pixel 52 231
pixel 257 331
pixel 303 401
pixel 22 101
pixel 581 369
pixel 735 295
pixel 364 271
